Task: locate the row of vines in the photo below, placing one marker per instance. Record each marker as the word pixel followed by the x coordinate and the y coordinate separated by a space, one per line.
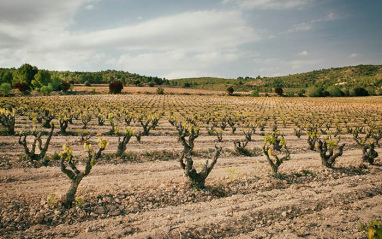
pixel 228 124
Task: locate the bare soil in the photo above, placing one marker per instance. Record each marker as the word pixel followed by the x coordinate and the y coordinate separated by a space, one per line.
pixel 147 196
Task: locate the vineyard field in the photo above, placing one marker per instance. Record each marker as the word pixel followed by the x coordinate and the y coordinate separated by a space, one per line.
pixel 142 191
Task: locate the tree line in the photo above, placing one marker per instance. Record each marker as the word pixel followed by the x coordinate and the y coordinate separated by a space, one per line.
pixel 27 78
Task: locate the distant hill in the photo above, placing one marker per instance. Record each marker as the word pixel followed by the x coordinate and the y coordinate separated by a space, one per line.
pixel 348 77
pixel 342 81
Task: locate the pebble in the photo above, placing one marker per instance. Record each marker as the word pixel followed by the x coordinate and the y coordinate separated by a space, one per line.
pixel 39 217
pixel 99 210
pixel 111 207
pixel 115 213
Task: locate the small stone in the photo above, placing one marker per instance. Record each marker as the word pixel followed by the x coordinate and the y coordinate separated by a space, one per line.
pixel 284 214
pixel 32 211
pixel 111 207
pixel 39 217
pixel 115 213
pixel 18 219
pixel 283 223
pixel 99 210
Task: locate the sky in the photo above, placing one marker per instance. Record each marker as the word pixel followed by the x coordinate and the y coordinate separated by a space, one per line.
pixel 191 38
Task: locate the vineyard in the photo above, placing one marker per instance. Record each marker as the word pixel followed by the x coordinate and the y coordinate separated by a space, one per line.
pixel 189 166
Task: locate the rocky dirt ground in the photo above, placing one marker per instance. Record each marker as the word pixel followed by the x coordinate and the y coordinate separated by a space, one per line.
pixel 145 195
pixel 152 199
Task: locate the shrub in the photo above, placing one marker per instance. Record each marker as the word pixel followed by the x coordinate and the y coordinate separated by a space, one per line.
pixel 65 86
pixel 6 88
pixel 326 149
pixel 46 89
pixel 187 133
pixel 7 119
pixel 160 91
pixel 301 93
pixel 230 90
pixel 358 91
pixel 371 90
pixel 276 150
pixel 69 167
pixel 335 91
pixel 186 85
pixel 279 91
pixel 240 148
pixel 255 93
pixel 125 140
pixel 290 93
pixel 31 153
pixel 148 123
pixel 314 92
pixel 373 228
pixel 115 87
pixel 346 91
pixel 364 141
pixel 87 83
pixel 22 86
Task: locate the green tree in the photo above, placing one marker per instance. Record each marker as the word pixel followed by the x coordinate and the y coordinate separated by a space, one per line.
pixel 6 77
pixel 371 90
pixel 230 90
pixel 279 91
pixel 42 78
pixel 55 83
pixel 46 89
pixel 25 74
pixel 160 91
pixel 314 91
pixel 255 93
pixel 5 88
pixel 335 91
pixel 358 91
pixel 301 92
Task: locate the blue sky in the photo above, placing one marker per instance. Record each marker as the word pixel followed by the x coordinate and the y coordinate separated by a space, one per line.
pixel 175 39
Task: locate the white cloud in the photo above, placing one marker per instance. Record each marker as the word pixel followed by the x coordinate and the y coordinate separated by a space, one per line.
pixel 39 13
pixel 270 4
pixel 188 40
pixel 31 24
pixel 90 7
pixel 300 27
pixel 193 31
pixel 328 18
pixel 303 53
pixel 306 26
pixel 353 55
pixel 173 61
